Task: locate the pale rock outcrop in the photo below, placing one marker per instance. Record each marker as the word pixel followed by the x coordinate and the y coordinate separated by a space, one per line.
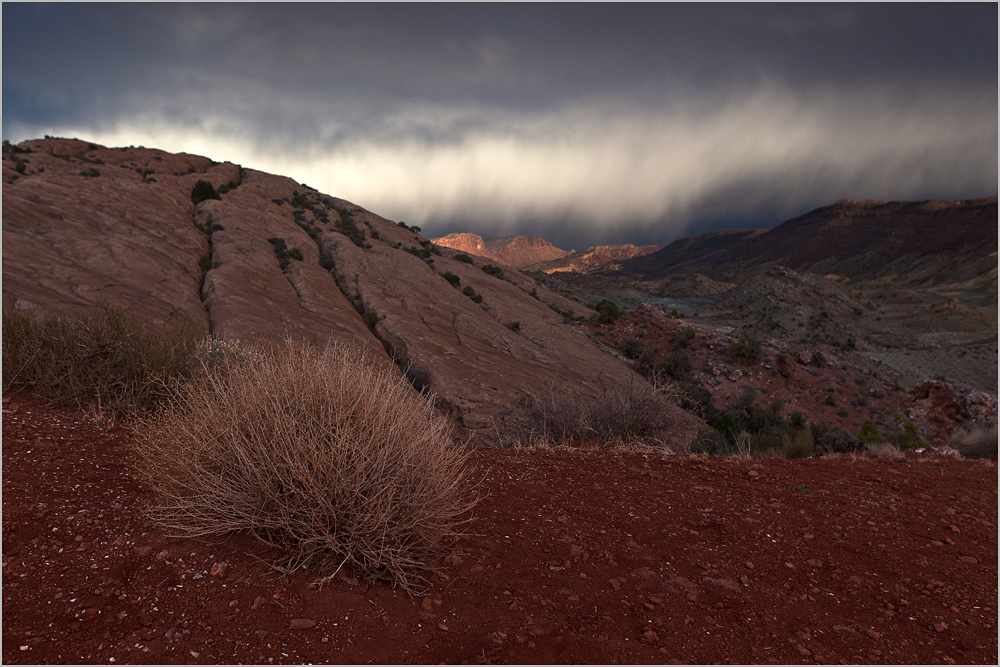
pixel 131 235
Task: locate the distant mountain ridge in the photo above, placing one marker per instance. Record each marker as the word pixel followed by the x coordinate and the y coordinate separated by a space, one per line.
pixel 861 240
pixel 514 251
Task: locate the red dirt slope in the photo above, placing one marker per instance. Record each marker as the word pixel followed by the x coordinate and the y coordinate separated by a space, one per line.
pixel 573 557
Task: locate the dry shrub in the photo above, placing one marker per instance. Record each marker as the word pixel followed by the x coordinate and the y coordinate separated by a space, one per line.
pixel 542 422
pixel 636 415
pixel 977 443
pixel 885 450
pixel 320 453
pixel 105 360
pixel 797 445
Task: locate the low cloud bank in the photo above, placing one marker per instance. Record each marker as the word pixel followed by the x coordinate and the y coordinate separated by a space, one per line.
pixel 596 172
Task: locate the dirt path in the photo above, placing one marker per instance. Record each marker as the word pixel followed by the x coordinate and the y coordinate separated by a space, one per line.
pixel 575 557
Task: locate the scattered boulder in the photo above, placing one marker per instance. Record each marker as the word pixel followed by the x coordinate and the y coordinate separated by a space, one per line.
pixel 939 409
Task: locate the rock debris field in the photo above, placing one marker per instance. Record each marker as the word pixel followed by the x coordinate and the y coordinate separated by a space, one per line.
pixel 572 556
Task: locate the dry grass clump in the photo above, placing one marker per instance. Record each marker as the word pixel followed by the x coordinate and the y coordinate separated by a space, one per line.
pixel 636 415
pixel 883 450
pixel 105 360
pixel 977 443
pixel 316 452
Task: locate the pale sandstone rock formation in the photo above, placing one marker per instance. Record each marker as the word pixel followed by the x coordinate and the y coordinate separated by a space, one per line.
pixel 131 236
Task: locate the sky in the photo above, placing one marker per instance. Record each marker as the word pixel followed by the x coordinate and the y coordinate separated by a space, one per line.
pixel 582 123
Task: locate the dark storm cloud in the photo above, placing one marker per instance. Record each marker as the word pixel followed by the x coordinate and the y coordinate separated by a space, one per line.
pixel 590 120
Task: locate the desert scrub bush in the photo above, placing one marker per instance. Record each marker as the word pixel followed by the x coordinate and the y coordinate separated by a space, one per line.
pixel 868 435
pixel 693 398
pixel 686 338
pixel 105 360
pixel 462 257
pixel 322 454
pixel 349 228
pixel 746 349
pixel 203 190
pixel 283 253
pixel 633 415
pixel 631 348
pixel 493 270
pixel 423 253
pixel 976 443
pixel 607 311
pixel 453 279
pixel 538 421
pixel 763 429
pixel 834 441
pixel 677 365
pixel 711 442
pixel 902 434
pixel 796 444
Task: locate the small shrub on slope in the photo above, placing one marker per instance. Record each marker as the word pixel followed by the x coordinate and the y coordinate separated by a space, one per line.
pixel 607 311
pixel 746 349
pixel 493 270
pixel 868 434
pixel 322 454
pixel 203 190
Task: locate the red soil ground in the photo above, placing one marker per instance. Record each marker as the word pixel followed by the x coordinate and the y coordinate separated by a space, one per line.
pixel 574 557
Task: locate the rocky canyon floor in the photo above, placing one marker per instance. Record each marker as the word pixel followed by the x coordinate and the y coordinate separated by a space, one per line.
pixel 572 556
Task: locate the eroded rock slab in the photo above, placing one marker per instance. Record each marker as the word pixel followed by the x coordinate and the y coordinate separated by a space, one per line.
pixel 271 259
pixel 481 340
pixel 125 235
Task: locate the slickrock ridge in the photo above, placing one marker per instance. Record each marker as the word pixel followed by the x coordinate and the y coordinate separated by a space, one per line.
pixel 272 259
pixel 515 251
pixel 69 240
